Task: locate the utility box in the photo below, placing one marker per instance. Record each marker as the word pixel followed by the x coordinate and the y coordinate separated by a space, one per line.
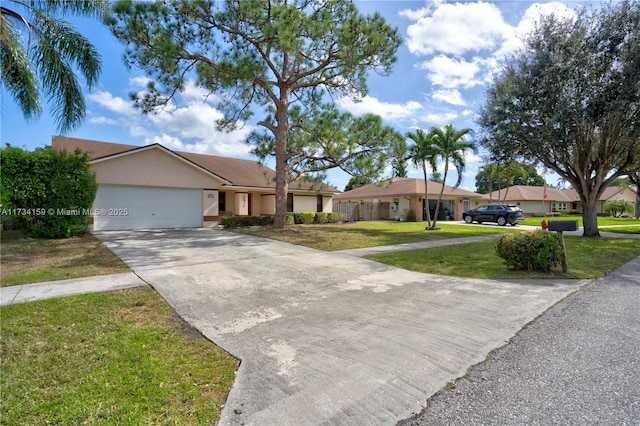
pixel 563 225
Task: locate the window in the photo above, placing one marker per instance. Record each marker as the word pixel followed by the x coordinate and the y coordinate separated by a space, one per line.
pixel 290 203
pixel 319 204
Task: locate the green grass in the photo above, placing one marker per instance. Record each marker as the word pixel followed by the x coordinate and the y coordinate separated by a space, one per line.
pixel 602 220
pixel 622 229
pixel 369 234
pixel 26 261
pixel 108 358
pixel 586 258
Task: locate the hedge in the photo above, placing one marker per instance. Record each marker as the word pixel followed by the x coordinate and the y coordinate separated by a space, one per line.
pixel 307 218
pixel 47 193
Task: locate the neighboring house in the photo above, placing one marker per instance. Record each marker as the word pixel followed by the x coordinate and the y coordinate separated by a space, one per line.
pixel 531 198
pixel 611 193
pixel 397 196
pixel 141 187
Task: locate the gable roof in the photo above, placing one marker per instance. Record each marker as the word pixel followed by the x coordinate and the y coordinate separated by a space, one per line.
pixel 233 171
pixel 167 151
pixel 535 193
pixel 398 186
pixel 609 193
pixel 530 193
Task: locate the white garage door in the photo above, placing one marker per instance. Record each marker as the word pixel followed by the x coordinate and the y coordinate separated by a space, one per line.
pixel 141 207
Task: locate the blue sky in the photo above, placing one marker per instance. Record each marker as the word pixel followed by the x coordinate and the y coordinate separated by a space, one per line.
pixel 450 51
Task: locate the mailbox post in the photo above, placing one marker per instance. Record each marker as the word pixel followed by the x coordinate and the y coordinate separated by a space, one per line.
pixel 559 226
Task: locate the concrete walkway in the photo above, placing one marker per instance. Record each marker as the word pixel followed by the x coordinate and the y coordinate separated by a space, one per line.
pixel 326 338
pixel 48 290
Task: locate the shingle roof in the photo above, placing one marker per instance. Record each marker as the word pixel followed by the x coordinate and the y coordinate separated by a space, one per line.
pixel 609 193
pixel 530 193
pixel 535 193
pixel 397 186
pixel 240 172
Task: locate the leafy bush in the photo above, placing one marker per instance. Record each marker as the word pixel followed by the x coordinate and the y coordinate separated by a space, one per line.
pixel 290 219
pixel 336 217
pixel 322 217
pixel 411 216
pixel 48 193
pixel 530 251
pixel 308 218
pixel 244 221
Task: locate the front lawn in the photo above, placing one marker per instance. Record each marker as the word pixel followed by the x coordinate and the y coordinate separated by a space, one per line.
pixel 113 358
pixel 602 220
pixel 368 234
pixel 586 257
pixel 26 261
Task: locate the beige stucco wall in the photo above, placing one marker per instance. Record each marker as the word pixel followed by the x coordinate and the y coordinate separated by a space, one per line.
pixel 327 204
pixel 151 167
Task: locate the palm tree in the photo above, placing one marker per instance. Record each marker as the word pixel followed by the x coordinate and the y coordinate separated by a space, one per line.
pixel 450 146
pixel 489 174
pixel 421 153
pixel 510 172
pixel 47 56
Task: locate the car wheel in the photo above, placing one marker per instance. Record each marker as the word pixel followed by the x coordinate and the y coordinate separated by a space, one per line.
pixel 468 218
pixel 502 221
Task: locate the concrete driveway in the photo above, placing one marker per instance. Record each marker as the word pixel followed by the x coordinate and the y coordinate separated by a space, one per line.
pixel 328 338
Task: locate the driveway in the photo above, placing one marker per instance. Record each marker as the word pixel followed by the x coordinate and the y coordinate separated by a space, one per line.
pixel 328 338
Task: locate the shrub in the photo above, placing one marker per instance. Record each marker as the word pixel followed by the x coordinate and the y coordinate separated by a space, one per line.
pixel 297 218
pixel 308 218
pixel 411 216
pixel 290 219
pixel 322 217
pixel 244 221
pixel 530 251
pixel 48 193
pixel 336 217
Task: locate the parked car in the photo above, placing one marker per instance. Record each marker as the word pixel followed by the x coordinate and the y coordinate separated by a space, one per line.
pixel 499 213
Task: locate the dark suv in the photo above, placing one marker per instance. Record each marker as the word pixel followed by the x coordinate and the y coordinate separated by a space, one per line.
pixel 499 213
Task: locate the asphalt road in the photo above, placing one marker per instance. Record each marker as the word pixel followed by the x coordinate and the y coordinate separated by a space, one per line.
pixel 577 364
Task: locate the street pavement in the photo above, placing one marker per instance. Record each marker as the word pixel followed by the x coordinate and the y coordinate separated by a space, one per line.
pixel 578 364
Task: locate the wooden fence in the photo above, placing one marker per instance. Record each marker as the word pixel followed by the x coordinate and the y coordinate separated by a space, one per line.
pixel 363 211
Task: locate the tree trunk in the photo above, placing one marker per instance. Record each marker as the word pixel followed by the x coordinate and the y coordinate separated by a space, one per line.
pixel 282 166
pixel 446 170
pixel 426 195
pixel 590 216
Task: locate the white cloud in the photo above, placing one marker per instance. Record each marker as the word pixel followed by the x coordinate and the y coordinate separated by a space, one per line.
pixel 448 33
pixel 189 124
pixel 103 120
pixel 112 103
pixel 440 119
pixel 388 111
pixel 455 28
pixel 450 96
pixel 140 81
pixel 452 72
